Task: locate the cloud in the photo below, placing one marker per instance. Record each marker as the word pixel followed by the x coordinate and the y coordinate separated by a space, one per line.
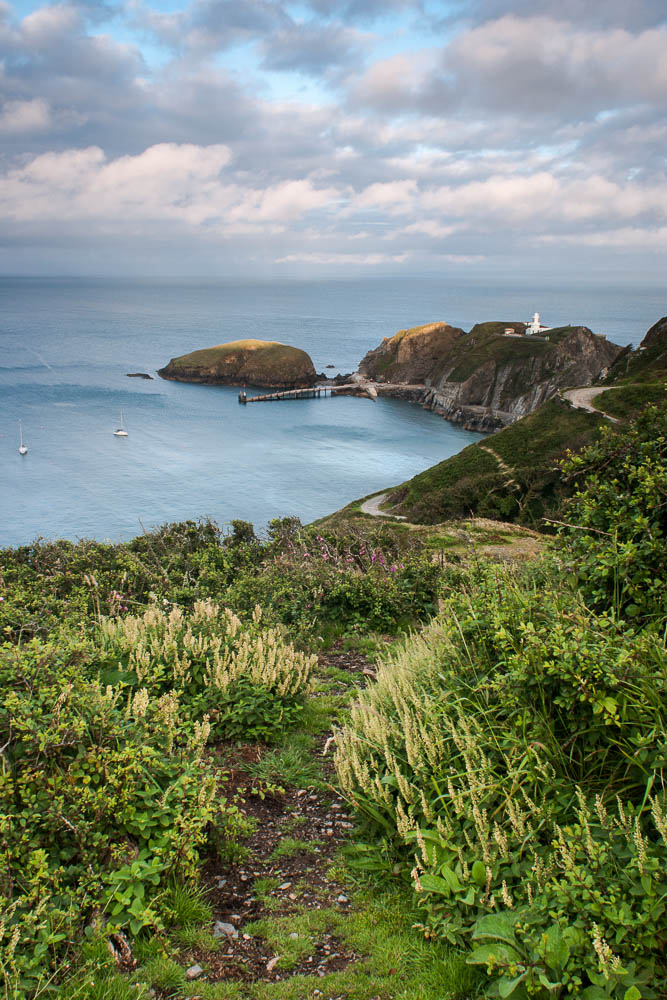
pixel 540 66
pixel 213 25
pixel 311 47
pixel 236 129
pixel 25 116
pixel 348 260
pixel 185 186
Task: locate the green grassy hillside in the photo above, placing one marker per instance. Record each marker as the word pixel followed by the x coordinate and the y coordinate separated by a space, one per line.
pixel 257 362
pixel 510 475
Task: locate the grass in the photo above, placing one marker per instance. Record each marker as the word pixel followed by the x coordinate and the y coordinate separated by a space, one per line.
pixel 289 846
pixel 265 359
pixel 626 401
pixel 472 482
pixel 291 765
pixel 187 905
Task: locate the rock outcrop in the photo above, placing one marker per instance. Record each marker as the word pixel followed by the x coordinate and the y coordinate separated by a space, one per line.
pixel 262 363
pixel 485 379
pixel 646 362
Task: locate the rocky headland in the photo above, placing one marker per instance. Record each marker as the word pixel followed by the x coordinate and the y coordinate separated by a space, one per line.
pixel 486 379
pixel 262 363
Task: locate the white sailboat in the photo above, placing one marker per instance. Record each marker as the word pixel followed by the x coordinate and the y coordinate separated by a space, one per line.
pixel 22 448
pixel 120 432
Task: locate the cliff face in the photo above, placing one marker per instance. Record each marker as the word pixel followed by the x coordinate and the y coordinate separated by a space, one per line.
pixel 647 362
pixel 410 356
pixel 484 379
pixel 262 363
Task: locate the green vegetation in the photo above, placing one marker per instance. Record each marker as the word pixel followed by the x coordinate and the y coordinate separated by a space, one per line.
pixel 497 761
pixel 627 401
pixel 524 486
pixel 260 362
pixel 618 548
pixel 647 363
pixel 486 342
pixel 508 762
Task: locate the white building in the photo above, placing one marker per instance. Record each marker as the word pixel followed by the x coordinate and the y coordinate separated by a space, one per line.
pixel 534 325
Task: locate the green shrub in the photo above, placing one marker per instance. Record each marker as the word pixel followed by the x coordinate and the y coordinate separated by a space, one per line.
pixel 616 537
pixel 103 798
pixel 509 760
pixel 250 681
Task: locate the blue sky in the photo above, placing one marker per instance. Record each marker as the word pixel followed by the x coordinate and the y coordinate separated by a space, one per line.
pixel 334 137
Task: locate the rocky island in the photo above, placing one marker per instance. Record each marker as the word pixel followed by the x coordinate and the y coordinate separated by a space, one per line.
pixel 491 376
pixel 262 363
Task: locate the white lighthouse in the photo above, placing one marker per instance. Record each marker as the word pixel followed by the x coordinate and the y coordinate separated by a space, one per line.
pixel 534 325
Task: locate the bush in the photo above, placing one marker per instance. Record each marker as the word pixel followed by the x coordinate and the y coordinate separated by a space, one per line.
pixel 103 798
pixel 509 761
pixel 616 536
pixel 249 681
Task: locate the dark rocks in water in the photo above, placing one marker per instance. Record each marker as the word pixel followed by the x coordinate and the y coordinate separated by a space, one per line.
pixel 330 366
pixel 139 375
pixel 262 363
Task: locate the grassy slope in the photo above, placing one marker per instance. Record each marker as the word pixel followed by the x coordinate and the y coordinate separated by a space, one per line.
pixel 475 482
pixel 486 343
pixel 260 354
pixel 648 364
pixel 626 401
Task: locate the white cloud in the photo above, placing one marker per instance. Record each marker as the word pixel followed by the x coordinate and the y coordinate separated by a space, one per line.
pixel 25 116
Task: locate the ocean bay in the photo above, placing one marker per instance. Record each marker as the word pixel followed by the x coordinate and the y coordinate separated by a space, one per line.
pixel 66 346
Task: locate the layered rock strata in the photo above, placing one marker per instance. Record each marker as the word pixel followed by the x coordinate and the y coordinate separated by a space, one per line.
pixel 486 379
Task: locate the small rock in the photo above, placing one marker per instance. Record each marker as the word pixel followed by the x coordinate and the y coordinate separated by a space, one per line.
pixel 292 896
pixel 220 929
pixel 271 964
pixel 329 832
pixel 235 918
pixel 247 937
pixel 222 882
pixel 343 899
pixel 294 935
pixel 285 885
pixel 194 972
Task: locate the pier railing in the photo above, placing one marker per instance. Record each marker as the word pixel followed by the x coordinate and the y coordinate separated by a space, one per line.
pixel 314 392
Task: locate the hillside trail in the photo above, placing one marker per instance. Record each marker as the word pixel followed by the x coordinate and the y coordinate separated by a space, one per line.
pixel 372 507
pixel 288 924
pixel 503 466
pixel 582 399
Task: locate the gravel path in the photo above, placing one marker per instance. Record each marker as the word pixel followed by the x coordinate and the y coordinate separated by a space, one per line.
pixel 582 399
pixel 372 507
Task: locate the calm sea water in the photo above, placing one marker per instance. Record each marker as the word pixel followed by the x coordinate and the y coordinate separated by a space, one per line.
pixel 192 451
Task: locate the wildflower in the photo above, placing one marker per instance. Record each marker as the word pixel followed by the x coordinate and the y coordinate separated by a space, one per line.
pixel 392 569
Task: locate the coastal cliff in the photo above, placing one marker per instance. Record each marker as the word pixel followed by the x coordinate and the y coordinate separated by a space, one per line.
pixel 484 379
pixel 262 363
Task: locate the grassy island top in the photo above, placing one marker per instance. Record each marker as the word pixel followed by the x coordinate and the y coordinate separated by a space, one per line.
pixel 257 362
pixel 420 331
pixel 270 350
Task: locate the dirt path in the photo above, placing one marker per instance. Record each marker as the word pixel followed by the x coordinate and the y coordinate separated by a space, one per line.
pixel 372 507
pixel 511 481
pixel 582 399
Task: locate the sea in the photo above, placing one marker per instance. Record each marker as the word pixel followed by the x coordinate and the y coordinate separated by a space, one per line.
pixel 68 344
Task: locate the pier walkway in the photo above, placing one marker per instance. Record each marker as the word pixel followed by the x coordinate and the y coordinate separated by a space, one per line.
pixel 314 392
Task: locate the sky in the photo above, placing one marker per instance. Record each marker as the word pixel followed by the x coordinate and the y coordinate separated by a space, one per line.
pixel 264 138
